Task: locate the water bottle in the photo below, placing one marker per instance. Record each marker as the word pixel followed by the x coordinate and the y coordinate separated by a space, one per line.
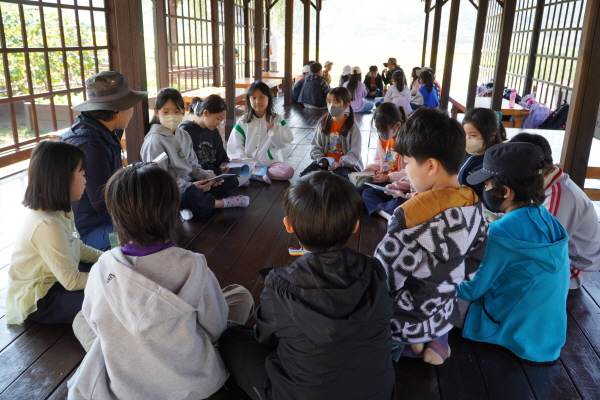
pixel 513 96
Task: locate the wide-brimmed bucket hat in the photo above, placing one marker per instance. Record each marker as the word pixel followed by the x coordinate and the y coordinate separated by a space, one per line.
pixel 390 60
pixel 108 90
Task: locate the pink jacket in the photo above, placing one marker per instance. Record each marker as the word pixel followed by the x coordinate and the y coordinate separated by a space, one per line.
pixel 398 179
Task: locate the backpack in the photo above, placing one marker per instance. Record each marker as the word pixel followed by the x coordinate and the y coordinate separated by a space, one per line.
pixel 558 118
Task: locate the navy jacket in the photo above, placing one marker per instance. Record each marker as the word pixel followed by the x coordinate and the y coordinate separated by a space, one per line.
pixel 297 89
pixel 314 90
pixel 103 150
pixel 471 164
pixel 378 82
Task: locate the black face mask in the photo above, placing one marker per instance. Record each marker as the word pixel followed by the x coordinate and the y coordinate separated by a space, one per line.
pixel 492 202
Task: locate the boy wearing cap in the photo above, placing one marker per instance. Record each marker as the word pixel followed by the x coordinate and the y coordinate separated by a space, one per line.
pixel 519 292
pixel 390 67
pixel 98 131
pixel 435 240
pixel 575 211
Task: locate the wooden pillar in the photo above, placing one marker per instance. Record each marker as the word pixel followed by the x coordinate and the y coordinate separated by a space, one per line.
pixel 508 17
pixel 306 44
pixel 216 49
pixel 583 108
pixel 268 38
pixel 477 45
pixel 126 40
pixel 535 39
pixel 246 39
pixel 287 71
pixel 258 39
pixel 318 30
pixel 437 19
pixel 427 7
pixel 449 61
pixel 161 52
pixel 229 60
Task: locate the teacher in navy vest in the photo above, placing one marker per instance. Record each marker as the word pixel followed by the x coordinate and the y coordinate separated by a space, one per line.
pixel 98 131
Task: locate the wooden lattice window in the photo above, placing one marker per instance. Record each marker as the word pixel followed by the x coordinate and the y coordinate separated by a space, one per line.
pixel 556 58
pixel 549 61
pixel 190 44
pixel 47 50
pixel 520 45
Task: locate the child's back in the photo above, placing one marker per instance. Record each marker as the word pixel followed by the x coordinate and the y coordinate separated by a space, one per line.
pixel 329 314
pixel 145 315
pixel 323 327
pixel 152 312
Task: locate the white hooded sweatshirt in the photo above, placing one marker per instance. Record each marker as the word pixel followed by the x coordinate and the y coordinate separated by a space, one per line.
pixel 154 341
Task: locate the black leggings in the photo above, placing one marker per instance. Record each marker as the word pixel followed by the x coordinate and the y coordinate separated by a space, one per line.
pixel 59 305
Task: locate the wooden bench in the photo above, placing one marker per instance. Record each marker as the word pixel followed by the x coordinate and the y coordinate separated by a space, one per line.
pixel 593 173
pixel 459 99
pixel 273 84
pixel 240 95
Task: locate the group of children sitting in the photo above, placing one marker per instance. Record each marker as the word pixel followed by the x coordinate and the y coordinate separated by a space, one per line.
pixel 156 323
pixel 312 86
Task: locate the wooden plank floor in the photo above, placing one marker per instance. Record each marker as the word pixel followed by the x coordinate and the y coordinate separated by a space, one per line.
pixel 37 360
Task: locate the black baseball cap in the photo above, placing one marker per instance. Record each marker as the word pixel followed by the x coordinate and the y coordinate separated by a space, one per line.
pixel 509 160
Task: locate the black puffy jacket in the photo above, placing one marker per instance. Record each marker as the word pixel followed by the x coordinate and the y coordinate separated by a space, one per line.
pixel 327 316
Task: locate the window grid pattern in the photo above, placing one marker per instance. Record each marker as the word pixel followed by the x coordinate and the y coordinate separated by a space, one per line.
pixel 240 38
pixel 47 50
pixel 190 44
pixel 556 56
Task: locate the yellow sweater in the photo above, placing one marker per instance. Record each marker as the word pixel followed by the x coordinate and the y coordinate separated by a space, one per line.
pixel 47 249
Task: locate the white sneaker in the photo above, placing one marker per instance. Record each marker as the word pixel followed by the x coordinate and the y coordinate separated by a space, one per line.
pixel 186 214
pixel 267 179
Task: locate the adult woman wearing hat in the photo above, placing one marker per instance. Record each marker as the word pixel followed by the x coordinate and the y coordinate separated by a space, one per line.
pixel 390 67
pixel 98 131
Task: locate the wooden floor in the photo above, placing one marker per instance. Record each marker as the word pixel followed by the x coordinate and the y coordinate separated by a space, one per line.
pixel 36 360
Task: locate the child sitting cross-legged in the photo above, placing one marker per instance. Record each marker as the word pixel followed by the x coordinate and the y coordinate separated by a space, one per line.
pixel 435 240
pixel 323 327
pixel 152 311
pixel 520 291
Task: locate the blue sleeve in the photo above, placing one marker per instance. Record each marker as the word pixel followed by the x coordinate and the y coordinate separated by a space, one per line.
pixel 494 263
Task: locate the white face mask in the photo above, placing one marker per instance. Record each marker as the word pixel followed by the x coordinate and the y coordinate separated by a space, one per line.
pixel 474 146
pixel 171 121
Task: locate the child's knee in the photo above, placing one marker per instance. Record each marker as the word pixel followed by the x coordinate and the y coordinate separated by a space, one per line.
pixel 280 171
pixel 240 302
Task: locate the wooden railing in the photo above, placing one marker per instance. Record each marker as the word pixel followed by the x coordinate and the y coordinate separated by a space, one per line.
pixel 593 173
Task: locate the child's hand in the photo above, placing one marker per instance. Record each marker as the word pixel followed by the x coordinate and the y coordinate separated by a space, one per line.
pixel 270 123
pixel 203 185
pixel 225 170
pixel 335 165
pixel 397 193
pixel 214 182
pixel 381 178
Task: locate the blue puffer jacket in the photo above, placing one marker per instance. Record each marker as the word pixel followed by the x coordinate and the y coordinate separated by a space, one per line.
pixel 103 150
pixel 519 293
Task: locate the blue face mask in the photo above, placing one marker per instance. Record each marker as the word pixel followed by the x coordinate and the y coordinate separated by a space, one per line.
pixel 490 201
